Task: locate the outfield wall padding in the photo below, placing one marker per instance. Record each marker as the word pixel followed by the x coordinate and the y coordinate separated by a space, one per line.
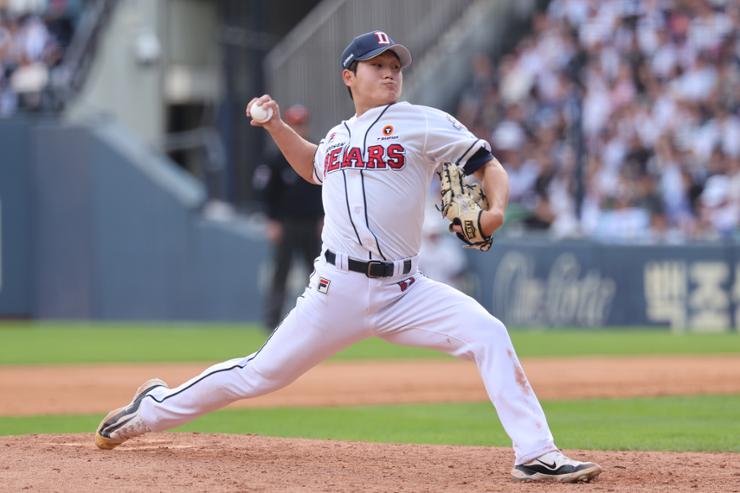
pixel 16 243
pixel 541 283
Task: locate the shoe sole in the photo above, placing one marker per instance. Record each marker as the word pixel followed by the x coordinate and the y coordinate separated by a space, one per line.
pixel 582 476
pixel 107 443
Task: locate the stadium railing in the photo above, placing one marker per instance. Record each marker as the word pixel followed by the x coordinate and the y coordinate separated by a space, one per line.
pixel 304 67
pixel 69 77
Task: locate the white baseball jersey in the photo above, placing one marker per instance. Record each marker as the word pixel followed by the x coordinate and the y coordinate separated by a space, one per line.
pixel 375 170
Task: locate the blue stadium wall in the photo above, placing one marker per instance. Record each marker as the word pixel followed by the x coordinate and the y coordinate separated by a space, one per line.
pixel 16 255
pixel 94 225
pixel 538 283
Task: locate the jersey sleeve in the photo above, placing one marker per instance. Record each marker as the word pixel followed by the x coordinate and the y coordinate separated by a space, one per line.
pixel 447 140
pixel 318 163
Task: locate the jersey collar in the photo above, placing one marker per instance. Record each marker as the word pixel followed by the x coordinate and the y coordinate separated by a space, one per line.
pixel 372 112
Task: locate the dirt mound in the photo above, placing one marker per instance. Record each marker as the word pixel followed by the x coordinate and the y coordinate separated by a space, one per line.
pixel 188 462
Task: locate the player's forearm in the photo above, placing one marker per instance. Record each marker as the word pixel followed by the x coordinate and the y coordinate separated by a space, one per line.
pixel 297 151
pixel 495 182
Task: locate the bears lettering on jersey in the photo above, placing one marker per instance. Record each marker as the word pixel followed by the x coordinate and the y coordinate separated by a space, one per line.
pixel 377 157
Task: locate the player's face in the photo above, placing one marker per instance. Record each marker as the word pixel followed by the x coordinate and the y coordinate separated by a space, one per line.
pixel 378 81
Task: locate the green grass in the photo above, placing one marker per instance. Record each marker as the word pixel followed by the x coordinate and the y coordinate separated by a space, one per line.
pixel 26 344
pixel 697 423
pixel 63 343
pixel 710 423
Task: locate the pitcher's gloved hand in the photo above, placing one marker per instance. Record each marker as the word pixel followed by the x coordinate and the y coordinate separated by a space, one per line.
pixel 462 205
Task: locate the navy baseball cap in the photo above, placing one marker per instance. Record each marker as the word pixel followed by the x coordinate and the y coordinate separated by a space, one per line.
pixel 372 44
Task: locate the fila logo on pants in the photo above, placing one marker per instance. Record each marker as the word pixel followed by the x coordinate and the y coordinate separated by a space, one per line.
pixel 323 286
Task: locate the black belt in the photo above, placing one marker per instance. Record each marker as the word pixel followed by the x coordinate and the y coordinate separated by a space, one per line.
pixel 371 268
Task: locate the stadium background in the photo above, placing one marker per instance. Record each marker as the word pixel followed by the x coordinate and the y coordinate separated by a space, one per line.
pixel 617 123
pixel 132 234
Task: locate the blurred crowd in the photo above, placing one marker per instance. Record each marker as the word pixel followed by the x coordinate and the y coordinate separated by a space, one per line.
pixel 33 36
pixel 618 119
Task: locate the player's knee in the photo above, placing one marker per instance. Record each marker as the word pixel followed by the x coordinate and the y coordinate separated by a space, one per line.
pixel 492 326
pixel 498 327
pixel 265 378
pixel 491 334
pixel 269 373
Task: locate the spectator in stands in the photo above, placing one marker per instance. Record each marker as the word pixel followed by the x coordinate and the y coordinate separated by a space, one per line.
pixel 652 89
pixel 30 58
pixel 718 213
pixel 33 35
pixel 7 97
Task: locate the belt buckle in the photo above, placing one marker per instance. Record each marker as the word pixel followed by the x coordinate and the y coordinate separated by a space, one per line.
pixel 370 264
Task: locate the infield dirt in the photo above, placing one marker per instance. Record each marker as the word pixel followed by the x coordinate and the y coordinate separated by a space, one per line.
pixel 68 389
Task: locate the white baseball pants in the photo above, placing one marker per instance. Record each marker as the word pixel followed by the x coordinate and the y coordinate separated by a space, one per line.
pixel 353 307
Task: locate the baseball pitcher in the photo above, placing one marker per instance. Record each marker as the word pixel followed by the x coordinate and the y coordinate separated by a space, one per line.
pixel 375 169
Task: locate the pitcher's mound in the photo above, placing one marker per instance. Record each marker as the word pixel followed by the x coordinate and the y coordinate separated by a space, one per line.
pixel 187 462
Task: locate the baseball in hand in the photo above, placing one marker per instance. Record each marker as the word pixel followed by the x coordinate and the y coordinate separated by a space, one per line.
pixel 259 113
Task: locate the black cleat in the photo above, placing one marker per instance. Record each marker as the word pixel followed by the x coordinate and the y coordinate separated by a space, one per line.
pixel 554 466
